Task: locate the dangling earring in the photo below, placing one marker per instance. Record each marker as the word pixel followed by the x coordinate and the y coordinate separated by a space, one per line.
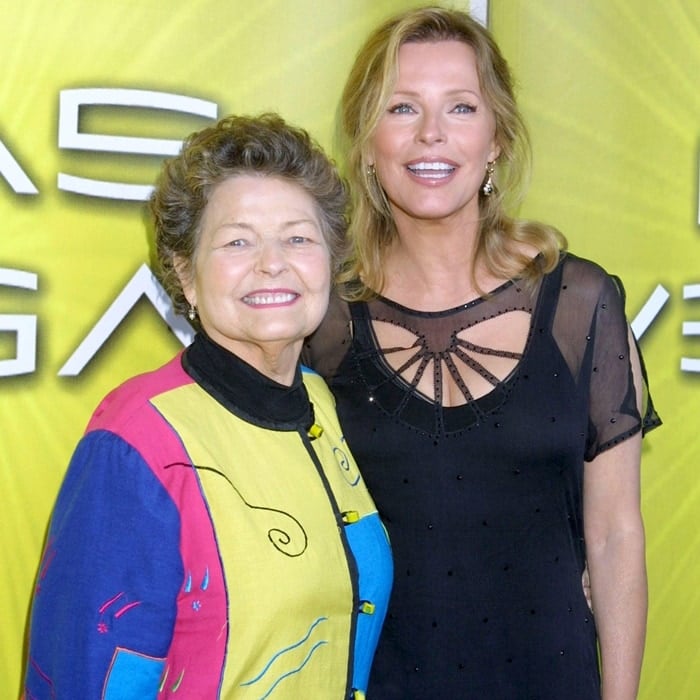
pixel 371 172
pixel 192 312
pixel 487 187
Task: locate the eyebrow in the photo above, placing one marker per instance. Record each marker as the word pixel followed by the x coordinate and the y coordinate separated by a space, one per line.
pixel 285 224
pixel 451 93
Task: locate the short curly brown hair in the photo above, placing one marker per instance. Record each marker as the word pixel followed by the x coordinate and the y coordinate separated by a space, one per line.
pixel 239 145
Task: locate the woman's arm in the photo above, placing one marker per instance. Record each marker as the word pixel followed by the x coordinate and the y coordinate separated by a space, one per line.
pixel 105 601
pixel 614 534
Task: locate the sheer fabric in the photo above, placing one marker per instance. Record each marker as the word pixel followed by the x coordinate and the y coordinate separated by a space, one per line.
pixel 586 321
pixel 471 427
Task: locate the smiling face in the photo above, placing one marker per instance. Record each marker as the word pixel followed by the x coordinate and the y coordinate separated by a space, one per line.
pixel 432 144
pixel 261 275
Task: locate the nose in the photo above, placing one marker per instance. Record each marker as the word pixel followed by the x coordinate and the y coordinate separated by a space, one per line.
pixel 271 259
pixel 431 128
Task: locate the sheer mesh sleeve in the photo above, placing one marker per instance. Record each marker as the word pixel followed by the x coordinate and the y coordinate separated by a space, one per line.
pixel 593 333
pixel 325 349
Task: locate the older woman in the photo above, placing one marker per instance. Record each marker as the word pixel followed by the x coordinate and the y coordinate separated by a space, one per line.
pixel 489 387
pixel 213 537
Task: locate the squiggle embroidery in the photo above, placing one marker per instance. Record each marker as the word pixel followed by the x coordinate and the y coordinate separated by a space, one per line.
pixel 291 544
pixel 44 677
pixel 176 685
pixel 280 653
pixel 103 626
pixel 350 473
pixel 293 671
pixel 187 588
pixel 48 557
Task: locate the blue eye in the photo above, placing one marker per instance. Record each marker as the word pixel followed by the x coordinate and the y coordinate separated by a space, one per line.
pixel 401 108
pixel 463 108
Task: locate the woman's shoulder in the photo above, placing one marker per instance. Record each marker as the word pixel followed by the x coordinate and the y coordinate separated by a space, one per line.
pixel 128 400
pixel 587 277
pixel 579 289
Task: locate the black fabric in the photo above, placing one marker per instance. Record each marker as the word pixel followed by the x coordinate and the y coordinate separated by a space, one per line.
pixel 246 392
pixel 483 500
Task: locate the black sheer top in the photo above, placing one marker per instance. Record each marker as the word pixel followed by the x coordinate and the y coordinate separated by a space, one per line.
pixel 472 427
pixel 582 310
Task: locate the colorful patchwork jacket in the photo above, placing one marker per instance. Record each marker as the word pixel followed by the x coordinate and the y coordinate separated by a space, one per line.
pixel 212 539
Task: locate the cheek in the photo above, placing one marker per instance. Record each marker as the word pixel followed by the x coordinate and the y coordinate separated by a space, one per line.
pixel 215 280
pixel 318 275
pixel 384 154
pixel 322 282
pixel 384 143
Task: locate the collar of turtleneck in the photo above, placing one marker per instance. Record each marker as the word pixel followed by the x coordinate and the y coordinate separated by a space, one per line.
pixel 244 391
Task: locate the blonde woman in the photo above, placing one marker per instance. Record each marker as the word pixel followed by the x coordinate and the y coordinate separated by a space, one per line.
pixel 489 387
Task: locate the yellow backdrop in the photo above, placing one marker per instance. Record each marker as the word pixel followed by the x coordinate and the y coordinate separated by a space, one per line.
pixel 81 252
pixel 95 93
pixel 610 91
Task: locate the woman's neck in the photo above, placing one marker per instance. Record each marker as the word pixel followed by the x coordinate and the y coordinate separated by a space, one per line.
pixel 429 266
pixel 277 360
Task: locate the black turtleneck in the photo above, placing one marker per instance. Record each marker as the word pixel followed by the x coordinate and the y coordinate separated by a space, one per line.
pixel 244 391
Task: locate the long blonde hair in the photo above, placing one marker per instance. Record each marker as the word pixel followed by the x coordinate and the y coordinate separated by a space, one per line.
pixel 367 91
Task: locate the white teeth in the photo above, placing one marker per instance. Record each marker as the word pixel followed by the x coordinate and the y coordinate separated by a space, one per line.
pixel 431 169
pixel 263 299
pixel 431 166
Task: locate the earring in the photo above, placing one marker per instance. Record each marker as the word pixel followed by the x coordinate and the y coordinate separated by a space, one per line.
pixel 488 186
pixel 192 312
pixel 371 172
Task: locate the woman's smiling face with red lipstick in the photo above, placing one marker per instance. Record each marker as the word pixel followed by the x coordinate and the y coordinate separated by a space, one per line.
pixel 431 147
pixel 261 274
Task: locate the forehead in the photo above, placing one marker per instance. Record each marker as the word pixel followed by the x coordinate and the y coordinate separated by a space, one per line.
pixel 256 202
pixel 258 197
pixel 447 60
pixel 246 189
